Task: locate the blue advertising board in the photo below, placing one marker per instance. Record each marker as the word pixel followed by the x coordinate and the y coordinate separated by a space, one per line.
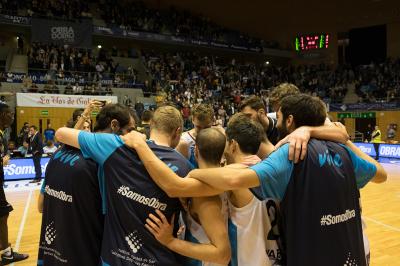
pixel 389 150
pixel 367 148
pixel 23 168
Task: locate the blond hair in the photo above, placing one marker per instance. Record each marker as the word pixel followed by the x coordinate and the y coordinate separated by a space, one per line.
pixel 166 119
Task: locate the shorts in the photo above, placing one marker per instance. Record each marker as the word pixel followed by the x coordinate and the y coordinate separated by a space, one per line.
pixel 5 207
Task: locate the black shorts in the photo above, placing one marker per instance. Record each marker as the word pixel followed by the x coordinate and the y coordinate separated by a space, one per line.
pixel 5 207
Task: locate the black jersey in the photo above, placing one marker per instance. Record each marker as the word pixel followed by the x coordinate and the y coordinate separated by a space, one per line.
pixel 72 222
pixel 130 196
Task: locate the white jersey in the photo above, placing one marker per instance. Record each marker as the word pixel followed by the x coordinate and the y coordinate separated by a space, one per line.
pixel 188 138
pixel 253 239
pixel 196 234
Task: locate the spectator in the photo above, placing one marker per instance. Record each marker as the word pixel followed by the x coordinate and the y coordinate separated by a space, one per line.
pixel 49 148
pixel 49 133
pixel 24 149
pixel 11 147
pixel 127 101
pixel 139 107
pixel 145 124
pixel 368 133
pixel 391 134
pixel 23 134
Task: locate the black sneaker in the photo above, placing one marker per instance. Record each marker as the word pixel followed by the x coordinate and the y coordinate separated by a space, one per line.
pixel 14 257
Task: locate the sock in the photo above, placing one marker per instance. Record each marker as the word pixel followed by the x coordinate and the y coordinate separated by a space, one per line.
pixel 6 252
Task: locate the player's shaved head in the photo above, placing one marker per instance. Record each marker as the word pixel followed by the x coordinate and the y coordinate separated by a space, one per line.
pixel 210 143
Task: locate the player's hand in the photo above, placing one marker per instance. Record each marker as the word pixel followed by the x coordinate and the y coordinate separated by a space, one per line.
pixel 160 227
pixel 342 128
pixel 6 160
pixel 94 105
pixel 263 119
pixel 298 141
pixel 134 139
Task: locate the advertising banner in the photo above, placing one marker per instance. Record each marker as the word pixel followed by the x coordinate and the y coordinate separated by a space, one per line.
pixel 23 168
pixel 367 148
pixel 59 100
pixel 389 150
pixel 61 32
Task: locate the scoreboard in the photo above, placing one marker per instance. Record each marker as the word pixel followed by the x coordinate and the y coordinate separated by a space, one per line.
pixel 312 42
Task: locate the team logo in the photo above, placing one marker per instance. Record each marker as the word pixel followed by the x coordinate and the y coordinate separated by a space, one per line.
pixel 350 262
pixel 134 242
pixel 326 157
pixel 50 233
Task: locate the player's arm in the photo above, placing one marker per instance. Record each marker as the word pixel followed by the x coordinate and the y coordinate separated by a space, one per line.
pixel 85 116
pixel 163 176
pixel 41 196
pixel 209 212
pixel 226 178
pixel 97 146
pixel 272 175
pixel 298 139
pixel 68 136
pixel 377 176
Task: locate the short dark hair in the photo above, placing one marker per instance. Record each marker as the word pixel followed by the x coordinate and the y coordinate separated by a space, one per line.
pixel 247 133
pixel 305 109
pixel 211 145
pixel 76 114
pixel 109 112
pixel 34 127
pixel 147 115
pixel 254 102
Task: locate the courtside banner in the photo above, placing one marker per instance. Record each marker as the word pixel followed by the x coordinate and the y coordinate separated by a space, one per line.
pixel 62 32
pixel 59 100
pixel 367 148
pixel 389 150
pixel 23 168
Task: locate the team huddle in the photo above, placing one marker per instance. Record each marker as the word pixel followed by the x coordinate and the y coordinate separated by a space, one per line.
pixel 269 189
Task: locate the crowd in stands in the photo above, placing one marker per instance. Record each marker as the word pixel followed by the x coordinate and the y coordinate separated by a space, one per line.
pixel 135 15
pixel 379 82
pixel 171 22
pixel 191 78
pixel 67 9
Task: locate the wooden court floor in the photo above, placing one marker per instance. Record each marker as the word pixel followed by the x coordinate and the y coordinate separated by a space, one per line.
pixel 381 210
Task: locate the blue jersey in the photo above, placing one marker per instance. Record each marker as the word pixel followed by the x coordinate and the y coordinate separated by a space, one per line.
pixel 319 196
pixel 72 221
pixel 130 195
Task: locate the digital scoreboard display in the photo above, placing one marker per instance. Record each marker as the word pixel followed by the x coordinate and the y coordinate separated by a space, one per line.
pixel 311 42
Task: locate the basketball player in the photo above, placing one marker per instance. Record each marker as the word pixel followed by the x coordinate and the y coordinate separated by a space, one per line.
pixel 252 238
pixel 202 117
pixel 319 196
pixel 72 221
pixel 255 109
pixel 130 194
pixel 7 254
pixel 206 227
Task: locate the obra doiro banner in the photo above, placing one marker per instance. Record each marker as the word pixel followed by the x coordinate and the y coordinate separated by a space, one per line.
pixel 59 100
pixel 62 32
